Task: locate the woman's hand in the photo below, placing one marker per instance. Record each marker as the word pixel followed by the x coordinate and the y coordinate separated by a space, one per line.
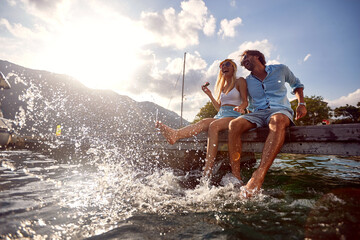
pixel 206 90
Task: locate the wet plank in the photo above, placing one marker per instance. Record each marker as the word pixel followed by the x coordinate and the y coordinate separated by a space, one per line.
pixel 337 139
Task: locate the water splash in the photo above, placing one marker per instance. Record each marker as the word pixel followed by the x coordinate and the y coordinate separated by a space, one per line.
pixel 110 181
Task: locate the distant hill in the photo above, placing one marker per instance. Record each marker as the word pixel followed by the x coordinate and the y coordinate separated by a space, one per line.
pixel 39 100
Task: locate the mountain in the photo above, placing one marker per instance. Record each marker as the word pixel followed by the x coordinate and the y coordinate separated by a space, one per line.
pixel 38 101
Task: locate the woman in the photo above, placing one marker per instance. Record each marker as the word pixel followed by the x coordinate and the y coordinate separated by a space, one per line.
pixel 230 101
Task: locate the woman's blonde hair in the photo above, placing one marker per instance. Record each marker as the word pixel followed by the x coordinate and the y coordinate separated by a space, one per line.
pixel 220 82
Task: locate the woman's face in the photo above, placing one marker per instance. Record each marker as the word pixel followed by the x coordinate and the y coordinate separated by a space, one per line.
pixel 227 69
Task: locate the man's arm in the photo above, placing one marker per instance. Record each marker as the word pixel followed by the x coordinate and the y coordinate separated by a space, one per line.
pixel 301 108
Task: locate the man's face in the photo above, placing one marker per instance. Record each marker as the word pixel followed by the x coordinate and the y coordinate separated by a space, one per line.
pixel 247 61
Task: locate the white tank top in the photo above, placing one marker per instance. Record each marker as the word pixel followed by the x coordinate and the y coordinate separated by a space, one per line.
pixel 232 98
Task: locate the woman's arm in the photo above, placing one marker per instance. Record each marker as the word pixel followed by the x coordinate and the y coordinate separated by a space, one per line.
pixel 215 103
pixel 241 86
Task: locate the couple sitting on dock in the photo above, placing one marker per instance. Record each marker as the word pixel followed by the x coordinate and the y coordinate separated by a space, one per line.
pixel 266 92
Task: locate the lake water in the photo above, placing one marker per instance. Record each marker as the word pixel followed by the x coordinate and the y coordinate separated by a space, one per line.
pixel 109 196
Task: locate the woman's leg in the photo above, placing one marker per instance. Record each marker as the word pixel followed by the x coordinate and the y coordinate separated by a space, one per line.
pixel 212 144
pixel 173 135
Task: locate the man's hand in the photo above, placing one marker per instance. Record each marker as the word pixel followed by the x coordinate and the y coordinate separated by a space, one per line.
pixel 300 112
pixel 241 108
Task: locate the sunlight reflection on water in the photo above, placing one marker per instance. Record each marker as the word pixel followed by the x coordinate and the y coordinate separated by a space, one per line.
pixel 79 201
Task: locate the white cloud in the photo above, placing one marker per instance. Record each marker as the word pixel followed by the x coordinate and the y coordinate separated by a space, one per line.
pixel 351 99
pixel 168 75
pixel 213 71
pixel 19 31
pixel 182 29
pixel 11 2
pixel 41 5
pixel 51 12
pixel 166 84
pixel 228 27
pixel 263 46
pixel 193 62
pixel 209 26
pixel 307 57
pixel 23 45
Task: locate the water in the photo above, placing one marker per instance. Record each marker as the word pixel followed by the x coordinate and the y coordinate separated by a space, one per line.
pixel 313 197
pixel 111 189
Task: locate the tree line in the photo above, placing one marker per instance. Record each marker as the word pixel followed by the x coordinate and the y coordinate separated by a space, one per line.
pixel 318 112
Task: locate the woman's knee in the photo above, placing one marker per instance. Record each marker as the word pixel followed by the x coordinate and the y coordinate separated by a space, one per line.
pixel 214 128
pixel 205 123
pixel 206 120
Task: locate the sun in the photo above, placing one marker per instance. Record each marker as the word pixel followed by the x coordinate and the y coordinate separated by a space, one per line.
pixel 102 53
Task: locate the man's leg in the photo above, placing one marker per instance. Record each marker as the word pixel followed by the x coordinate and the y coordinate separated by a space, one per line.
pixel 236 129
pixel 272 147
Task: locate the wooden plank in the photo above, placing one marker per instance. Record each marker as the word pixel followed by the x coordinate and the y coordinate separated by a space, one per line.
pixel 317 148
pixel 318 133
pixel 337 139
pixel 322 148
pixel 326 133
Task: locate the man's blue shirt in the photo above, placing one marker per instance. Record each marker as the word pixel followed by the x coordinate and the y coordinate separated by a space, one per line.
pixel 271 92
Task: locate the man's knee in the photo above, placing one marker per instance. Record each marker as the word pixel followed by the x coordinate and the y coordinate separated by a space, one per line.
pixel 233 125
pixel 237 126
pixel 279 122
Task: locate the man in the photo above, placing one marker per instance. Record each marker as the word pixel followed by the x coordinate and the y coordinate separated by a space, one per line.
pixel 270 107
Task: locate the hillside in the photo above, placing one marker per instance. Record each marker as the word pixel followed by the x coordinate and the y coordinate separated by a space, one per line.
pixel 38 101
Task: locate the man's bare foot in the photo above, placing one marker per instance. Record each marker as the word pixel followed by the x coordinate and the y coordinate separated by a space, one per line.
pixel 253 186
pixel 246 193
pixel 167 132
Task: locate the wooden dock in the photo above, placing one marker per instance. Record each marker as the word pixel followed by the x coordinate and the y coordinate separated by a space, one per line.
pixel 187 154
pixel 340 140
pixel 336 139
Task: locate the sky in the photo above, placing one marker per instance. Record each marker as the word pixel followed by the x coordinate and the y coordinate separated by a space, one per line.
pixel 137 47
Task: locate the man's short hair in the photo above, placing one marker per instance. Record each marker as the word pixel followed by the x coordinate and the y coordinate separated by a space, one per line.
pixel 255 53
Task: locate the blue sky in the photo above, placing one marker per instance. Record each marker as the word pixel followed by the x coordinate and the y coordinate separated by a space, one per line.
pixel 136 47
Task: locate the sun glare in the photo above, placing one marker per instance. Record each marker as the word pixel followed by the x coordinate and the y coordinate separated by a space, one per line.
pixel 101 54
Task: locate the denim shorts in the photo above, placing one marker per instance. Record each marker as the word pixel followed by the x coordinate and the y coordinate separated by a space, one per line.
pixel 227 111
pixel 262 117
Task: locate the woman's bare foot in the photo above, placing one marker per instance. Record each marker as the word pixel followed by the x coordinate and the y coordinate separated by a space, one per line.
pixel 167 132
